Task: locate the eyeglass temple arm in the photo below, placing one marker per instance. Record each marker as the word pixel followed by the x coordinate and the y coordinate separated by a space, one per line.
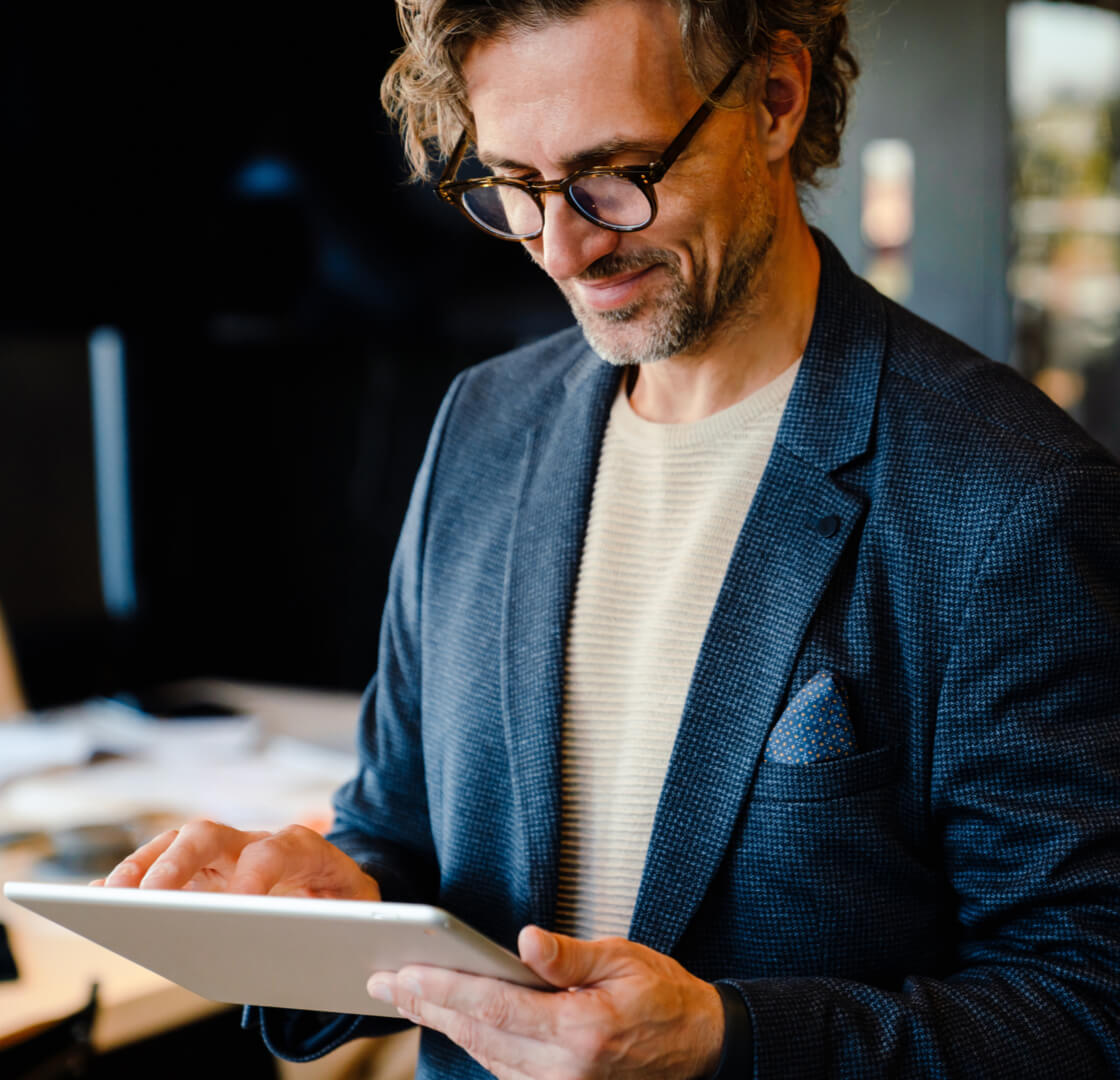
pixel 454 161
pixel 673 150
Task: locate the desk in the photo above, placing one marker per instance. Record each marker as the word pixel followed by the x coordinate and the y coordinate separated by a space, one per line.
pixel 57 967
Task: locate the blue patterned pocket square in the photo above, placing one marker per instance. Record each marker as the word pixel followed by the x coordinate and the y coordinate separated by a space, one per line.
pixel 815 726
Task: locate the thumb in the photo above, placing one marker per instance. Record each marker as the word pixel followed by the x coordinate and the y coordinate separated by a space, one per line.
pixel 566 961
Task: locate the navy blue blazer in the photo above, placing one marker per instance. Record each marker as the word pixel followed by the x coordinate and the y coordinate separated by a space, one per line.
pixel 932 533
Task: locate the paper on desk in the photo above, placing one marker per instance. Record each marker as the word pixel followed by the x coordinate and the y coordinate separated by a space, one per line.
pixel 28 747
pixel 117 728
pixel 72 735
pixel 288 781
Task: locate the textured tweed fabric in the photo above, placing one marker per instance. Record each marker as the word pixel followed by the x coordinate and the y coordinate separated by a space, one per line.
pixel 930 532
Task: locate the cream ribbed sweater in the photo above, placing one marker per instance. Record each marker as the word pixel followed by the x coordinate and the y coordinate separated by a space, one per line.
pixel 667 507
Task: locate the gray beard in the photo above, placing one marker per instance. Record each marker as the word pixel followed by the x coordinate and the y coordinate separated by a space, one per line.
pixel 678 321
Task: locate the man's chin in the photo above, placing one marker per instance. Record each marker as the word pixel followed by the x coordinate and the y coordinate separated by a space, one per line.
pixel 618 343
pixel 617 335
pixel 637 334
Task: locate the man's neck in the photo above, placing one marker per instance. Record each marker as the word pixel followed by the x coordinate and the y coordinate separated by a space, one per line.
pixel 752 350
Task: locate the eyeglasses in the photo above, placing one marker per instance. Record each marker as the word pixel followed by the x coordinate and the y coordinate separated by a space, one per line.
pixel 620 198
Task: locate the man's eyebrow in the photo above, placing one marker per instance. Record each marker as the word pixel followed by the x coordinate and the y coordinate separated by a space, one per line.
pixel 583 159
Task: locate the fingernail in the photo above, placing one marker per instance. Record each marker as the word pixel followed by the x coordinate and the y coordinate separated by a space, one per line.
pixel 381 991
pixel 549 947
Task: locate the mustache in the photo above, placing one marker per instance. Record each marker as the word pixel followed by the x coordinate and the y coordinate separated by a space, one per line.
pixel 614 264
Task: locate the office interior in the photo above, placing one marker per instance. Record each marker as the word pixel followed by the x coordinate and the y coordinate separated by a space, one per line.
pixel 227 319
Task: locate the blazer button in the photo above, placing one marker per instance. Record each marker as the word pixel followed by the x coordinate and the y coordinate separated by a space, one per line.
pixel 828 526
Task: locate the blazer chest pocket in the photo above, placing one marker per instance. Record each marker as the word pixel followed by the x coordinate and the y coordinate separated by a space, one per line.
pixel 823 863
pixel 825 780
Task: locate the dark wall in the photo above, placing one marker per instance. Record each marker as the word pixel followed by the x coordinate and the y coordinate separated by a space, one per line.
pixel 230 196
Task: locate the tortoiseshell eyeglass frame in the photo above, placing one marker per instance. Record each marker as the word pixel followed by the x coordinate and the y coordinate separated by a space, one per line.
pixel 644 177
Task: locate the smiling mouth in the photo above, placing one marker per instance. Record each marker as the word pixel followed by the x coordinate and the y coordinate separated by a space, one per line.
pixel 605 294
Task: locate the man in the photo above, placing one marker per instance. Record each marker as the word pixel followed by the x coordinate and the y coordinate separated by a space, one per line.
pixel 775 637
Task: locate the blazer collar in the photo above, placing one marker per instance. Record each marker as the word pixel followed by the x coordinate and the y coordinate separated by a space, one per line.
pixel 828 419
pixel 787 552
pixel 558 466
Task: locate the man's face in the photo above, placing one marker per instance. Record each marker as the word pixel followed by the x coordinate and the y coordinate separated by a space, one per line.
pixel 611 87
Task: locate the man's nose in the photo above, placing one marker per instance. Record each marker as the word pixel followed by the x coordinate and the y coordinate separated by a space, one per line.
pixel 569 243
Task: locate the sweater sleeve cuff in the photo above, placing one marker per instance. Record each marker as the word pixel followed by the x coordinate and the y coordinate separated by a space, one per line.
pixel 736 1059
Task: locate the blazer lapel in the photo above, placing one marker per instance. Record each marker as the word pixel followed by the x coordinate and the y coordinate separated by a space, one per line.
pixel 558 472
pixel 791 541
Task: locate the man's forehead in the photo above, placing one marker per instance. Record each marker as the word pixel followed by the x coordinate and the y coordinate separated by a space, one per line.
pixel 615 74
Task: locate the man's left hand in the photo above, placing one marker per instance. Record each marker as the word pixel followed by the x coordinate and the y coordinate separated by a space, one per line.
pixel 621 1010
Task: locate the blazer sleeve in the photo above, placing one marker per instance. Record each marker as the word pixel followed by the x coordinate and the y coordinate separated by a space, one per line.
pixel 381 816
pixel 1025 802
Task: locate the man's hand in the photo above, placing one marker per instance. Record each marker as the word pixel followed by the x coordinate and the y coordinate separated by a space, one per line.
pixel 623 1011
pixel 215 858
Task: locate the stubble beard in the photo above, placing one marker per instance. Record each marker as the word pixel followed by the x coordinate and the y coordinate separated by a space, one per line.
pixel 679 319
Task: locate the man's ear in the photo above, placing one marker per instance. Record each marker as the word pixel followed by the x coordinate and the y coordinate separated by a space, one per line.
pixel 784 96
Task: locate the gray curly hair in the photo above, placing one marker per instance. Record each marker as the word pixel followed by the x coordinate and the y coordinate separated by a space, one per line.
pixel 424 91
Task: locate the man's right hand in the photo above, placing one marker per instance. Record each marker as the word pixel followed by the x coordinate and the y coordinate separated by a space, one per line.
pixel 205 856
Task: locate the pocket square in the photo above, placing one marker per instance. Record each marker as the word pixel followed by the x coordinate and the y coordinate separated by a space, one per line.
pixel 815 725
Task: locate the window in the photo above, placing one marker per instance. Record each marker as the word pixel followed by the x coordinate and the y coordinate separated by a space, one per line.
pixel 1064 275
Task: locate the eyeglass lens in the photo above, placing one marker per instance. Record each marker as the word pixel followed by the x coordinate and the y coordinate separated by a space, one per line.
pixel 511 211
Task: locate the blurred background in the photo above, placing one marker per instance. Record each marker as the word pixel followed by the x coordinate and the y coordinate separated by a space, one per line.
pixel 226 322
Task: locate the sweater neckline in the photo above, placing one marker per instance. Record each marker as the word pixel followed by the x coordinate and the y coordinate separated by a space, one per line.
pixel 762 404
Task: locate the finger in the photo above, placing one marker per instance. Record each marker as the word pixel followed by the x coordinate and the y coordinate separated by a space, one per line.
pixel 568 962
pixel 129 872
pixel 264 864
pixel 200 846
pixel 506 1054
pixel 495 1003
pixel 298 861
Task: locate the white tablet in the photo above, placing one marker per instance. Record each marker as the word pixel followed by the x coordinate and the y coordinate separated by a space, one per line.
pixel 270 950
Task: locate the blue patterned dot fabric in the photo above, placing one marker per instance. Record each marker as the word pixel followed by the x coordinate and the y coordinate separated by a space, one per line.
pixel 815 726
